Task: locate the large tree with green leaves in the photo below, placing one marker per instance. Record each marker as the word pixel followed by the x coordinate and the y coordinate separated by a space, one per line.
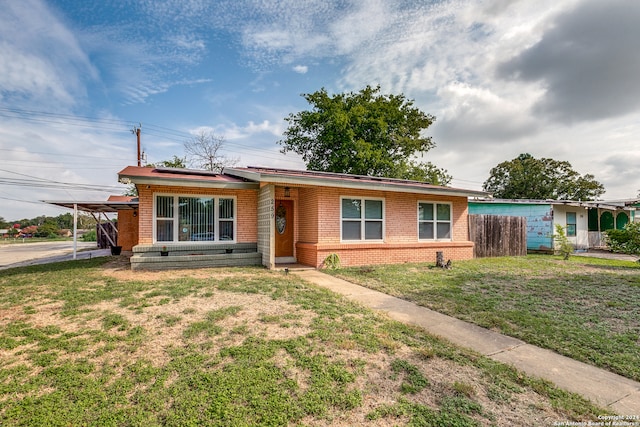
pixel 526 177
pixel 363 133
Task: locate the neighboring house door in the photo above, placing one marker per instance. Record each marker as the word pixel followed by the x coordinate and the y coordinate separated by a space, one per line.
pixel 284 229
pixel 621 220
pixel 606 221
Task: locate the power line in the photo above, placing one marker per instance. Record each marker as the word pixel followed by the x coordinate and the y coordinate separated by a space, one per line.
pixel 119 125
pixel 23 201
pixel 37 182
pixel 59 166
pixel 59 154
pixel 33 115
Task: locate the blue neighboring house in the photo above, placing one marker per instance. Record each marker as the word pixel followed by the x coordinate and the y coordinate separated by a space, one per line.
pixel 584 222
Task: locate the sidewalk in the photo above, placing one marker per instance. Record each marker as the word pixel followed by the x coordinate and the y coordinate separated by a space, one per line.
pixel 619 394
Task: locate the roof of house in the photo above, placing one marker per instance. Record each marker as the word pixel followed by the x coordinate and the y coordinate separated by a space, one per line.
pixel 343 180
pixel 611 205
pixel 251 177
pixel 181 177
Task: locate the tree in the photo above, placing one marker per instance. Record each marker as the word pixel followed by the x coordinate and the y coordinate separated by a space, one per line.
pixel 48 229
pixel 64 220
pixel 363 133
pixel 526 177
pixel 204 152
pixel 426 172
pixel 176 162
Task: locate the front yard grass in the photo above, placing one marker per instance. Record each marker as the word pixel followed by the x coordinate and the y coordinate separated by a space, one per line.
pixel 585 308
pixel 93 343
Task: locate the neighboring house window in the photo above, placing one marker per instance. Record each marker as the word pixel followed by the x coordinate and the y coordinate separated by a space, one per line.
pixel 571 224
pixel 434 221
pixel 194 219
pixel 362 219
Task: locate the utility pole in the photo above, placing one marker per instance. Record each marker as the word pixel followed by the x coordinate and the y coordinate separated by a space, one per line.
pixel 136 132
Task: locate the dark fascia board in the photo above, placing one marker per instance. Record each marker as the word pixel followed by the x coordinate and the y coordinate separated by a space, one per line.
pixel 398 187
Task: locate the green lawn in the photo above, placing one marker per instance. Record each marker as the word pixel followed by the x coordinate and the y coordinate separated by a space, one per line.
pixel 92 343
pixel 584 308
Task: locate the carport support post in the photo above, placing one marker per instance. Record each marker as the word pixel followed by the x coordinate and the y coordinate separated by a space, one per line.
pixel 75 230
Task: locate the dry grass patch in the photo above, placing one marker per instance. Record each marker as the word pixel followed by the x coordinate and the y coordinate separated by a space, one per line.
pixel 105 346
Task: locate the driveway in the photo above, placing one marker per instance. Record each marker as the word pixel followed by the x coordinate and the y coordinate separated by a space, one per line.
pixel 595 253
pixel 20 254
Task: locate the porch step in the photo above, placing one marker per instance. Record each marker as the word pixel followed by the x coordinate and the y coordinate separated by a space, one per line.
pixel 147 257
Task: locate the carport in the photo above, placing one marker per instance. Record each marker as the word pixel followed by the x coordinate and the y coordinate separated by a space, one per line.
pixel 114 204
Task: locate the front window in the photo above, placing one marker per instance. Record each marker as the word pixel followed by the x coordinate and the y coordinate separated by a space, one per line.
pixel 434 221
pixel 571 224
pixel 362 219
pixel 194 219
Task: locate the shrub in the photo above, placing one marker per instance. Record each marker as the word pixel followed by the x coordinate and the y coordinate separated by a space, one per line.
pixel 626 240
pixel 90 236
pixel 564 247
pixel 332 261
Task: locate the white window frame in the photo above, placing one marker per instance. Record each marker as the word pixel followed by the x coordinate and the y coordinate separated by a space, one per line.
pixel 435 221
pixel 363 220
pixel 216 218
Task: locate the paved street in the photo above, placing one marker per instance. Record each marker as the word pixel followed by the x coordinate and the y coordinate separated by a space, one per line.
pixel 19 254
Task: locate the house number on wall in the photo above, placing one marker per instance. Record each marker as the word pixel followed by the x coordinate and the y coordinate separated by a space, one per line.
pixel 281 219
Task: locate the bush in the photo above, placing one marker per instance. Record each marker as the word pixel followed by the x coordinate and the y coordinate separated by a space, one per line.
pixel 626 241
pixel 564 247
pixel 90 236
pixel 332 261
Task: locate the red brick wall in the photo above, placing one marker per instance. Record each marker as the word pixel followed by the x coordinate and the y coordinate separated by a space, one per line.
pixel 308 215
pixel 127 230
pixel 320 237
pixel 246 209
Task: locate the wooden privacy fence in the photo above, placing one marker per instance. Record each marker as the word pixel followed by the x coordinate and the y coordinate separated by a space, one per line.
pixel 497 235
pixel 107 233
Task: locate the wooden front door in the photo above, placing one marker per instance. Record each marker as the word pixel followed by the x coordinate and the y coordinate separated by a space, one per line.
pixel 284 228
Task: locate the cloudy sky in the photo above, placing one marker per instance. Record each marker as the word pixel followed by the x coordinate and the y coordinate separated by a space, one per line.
pixel 503 77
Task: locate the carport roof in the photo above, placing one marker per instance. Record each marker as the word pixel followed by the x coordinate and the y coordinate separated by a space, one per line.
pixel 114 204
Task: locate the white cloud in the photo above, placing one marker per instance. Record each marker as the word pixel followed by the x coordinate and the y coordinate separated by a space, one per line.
pixel 40 59
pixel 234 132
pixel 301 69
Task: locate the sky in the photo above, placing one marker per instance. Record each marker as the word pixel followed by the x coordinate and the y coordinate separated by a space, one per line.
pixel 502 77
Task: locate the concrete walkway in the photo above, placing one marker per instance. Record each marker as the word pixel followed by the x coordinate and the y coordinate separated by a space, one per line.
pixel 621 395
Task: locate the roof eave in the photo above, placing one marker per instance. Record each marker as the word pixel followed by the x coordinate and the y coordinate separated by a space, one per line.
pixel 187 182
pixel 95 206
pixel 285 179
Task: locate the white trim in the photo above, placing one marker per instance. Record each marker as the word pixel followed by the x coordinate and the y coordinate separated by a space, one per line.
pixel 216 218
pixel 363 220
pixel 435 221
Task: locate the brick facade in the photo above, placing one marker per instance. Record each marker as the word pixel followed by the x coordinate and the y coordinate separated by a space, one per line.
pixel 246 209
pixel 127 229
pixel 317 214
pixel 320 223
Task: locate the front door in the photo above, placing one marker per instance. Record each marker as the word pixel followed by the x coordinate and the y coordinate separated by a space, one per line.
pixel 284 228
